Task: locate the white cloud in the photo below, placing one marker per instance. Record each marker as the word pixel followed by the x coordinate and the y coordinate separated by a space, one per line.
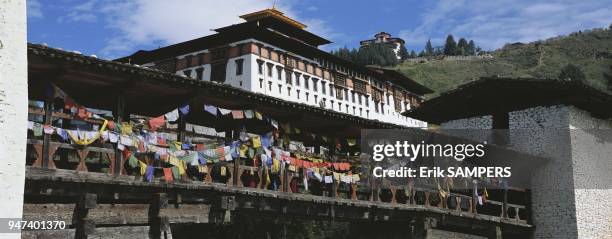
pixel 491 24
pixel 84 12
pixel 34 8
pixel 146 22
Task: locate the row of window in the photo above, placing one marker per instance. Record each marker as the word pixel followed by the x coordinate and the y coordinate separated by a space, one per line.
pixel 340 93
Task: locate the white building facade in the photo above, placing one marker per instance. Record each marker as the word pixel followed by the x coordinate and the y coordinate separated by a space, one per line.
pixel 256 65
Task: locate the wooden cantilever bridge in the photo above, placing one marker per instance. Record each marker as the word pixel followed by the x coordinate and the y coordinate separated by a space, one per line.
pixel 104 199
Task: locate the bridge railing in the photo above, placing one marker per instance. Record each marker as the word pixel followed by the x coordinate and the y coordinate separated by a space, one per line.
pixel 46 150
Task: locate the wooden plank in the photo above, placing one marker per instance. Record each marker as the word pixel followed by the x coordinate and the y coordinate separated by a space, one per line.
pixel 69 146
pixel 61 115
pixel 115 214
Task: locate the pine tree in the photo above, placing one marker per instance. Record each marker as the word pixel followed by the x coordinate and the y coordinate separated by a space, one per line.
pixel 471 48
pixel 413 54
pixel 375 54
pixel 450 47
pixel 462 47
pixel 429 50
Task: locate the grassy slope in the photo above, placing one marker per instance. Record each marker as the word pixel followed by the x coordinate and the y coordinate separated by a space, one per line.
pixel 591 51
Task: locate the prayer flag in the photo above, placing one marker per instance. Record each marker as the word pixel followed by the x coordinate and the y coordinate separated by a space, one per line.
pixel 168 175
pixel 172 115
pixel 256 141
pixel 149 174
pixel 224 111
pixel 184 109
pixel 133 162
pixel 211 109
pixel 155 123
pixel 237 114
pixel 143 168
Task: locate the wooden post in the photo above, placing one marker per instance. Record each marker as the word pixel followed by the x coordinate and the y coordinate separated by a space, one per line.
pixel 158 224
pixel 496 233
pixel 181 138
pixel 334 189
pixel 505 204
pixel 286 178
pixel 83 225
pixel 182 123
pixel 236 171
pixel 220 209
pixel 46 137
pixel 119 117
pixel 474 201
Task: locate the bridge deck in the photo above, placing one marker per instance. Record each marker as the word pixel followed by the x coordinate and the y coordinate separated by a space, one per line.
pixel 62 183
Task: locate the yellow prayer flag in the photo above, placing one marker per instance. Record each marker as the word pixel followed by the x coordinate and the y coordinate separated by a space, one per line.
pixel 143 167
pixel 256 142
pixel 181 168
pixel 126 128
pixel 268 178
pixel 258 115
pixel 174 160
pixel 275 165
pixel 243 150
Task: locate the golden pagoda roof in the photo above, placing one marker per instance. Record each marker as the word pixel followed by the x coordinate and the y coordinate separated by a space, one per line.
pixel 272 12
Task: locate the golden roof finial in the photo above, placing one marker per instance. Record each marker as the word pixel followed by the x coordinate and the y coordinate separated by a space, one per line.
pixel 272 12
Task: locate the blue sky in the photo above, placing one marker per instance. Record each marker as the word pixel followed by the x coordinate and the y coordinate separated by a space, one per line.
pixel 115 28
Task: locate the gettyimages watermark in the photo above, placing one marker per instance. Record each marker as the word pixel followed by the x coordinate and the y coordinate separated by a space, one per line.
pixel 520 158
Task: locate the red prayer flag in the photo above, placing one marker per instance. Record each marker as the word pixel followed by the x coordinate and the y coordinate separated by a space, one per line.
pixel 157 122
pixel 168 175
pixel 82 113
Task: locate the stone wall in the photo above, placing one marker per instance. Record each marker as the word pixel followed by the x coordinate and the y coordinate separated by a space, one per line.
pixel 13 107
pixel 570 193
pixel 591 149
pixel 544 131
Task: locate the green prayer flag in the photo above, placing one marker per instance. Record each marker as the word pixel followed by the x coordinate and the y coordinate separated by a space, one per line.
pixel 132 161
pixel 188 158
pixel 175 172
pixel 251 153
pixel 171 145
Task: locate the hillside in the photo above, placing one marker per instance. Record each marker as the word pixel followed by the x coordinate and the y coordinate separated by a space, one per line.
pixel 590 50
